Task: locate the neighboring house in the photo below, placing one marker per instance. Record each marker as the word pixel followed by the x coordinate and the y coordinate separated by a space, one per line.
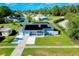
pixel 38 29
pixel 21 19
pixel 62 22
pixel 5 31
pixel 13 18
pixel 40 17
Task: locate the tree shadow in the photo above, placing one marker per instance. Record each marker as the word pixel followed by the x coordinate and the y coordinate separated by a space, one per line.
pixel 14 32
pixel 57 30
pixel 2 38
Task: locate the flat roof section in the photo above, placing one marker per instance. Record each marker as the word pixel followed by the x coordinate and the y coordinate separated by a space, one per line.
pixel 35 27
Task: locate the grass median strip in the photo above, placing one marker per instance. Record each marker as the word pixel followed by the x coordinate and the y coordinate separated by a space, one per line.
pixel 51 52
pixel 6 51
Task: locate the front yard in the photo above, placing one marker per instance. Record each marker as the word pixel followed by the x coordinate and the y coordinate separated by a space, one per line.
pixel 51 52
pixel 58 40
pixel 6 51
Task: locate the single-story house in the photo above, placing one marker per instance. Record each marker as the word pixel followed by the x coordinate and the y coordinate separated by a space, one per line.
pixel 38 29
pixel 13 18
pixel 21 19
pixel 59 20
pixel 5 31
pixel 62 22
pixel 40 17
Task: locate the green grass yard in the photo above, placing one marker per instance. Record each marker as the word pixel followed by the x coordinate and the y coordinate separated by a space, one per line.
pixel 51 52
pixel 11 25
pixel 58 40
pixel 7 40
pixel 61 39
pixel 6 51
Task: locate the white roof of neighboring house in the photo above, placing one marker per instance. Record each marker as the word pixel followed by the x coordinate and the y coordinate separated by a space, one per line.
pixel 40 16
pixel 62 17
pixel 64 23
pixel 4 28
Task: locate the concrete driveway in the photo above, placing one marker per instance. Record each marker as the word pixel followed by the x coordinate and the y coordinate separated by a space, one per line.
pixel 30 40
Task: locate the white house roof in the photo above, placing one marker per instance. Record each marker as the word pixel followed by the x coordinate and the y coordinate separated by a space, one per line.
pixel 4 28
pixel 40 16
pixel 64 23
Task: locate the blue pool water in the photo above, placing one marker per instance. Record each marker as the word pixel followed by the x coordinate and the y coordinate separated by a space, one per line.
pixel 16 39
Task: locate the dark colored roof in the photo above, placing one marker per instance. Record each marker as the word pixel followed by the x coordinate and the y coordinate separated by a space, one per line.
pixel 58 20
pixel 36 27
pixel 21 19
pixel 40 23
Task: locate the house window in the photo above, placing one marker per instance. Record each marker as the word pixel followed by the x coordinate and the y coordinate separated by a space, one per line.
pixel 39 33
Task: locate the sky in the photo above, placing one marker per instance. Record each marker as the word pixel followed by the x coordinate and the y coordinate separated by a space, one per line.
pixel 33 6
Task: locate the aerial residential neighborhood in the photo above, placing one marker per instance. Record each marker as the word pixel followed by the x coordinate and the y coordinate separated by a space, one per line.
pixel 39 29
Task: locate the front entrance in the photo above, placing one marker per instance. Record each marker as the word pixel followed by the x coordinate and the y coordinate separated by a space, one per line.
pixel 40 33
pixel 32 33
pixel 36 33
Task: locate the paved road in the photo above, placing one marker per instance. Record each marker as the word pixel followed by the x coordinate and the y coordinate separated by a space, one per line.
pixel 40 47
pixel 7 46
pixel 52 47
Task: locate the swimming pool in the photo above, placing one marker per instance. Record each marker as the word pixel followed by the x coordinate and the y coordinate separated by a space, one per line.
pixel 18 39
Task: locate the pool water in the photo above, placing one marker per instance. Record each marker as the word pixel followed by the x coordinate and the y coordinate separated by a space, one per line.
pixel 16 40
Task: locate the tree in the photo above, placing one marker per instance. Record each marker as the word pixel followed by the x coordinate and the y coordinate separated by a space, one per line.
pixel 4 11
pixel 29 18
pixel 71 8
pixel 73 27
pixel 55 10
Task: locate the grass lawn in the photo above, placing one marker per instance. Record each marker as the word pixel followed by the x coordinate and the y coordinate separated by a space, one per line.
pixel 51 52
pixel 11 25
pixel 7 40
pixel 58 40
pixel 6 51
pixel 61 39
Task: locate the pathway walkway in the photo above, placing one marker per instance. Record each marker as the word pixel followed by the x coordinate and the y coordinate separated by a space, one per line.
pixel 20 47
pixel 52 47
pixel 41 47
